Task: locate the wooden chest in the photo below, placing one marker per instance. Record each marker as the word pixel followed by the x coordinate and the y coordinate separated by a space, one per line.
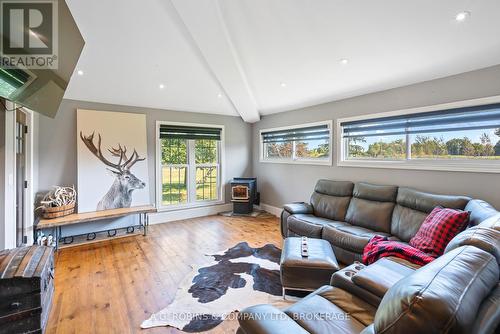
pixel 26 289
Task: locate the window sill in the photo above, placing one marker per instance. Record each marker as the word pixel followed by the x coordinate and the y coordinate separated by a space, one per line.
pixel 189 206
pixel 298 162
pixel 447 166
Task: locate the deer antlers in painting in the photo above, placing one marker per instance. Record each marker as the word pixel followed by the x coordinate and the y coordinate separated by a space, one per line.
pixel 120 193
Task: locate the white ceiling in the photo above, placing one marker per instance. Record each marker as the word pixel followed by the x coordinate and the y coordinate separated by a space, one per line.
pixel 246 49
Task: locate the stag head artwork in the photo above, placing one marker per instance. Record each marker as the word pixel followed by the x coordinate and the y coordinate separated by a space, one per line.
pixel 120 193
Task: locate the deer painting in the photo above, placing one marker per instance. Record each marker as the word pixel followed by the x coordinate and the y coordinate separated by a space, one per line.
pixel 120 193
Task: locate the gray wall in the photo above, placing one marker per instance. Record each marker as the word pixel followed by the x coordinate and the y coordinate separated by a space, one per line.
pixel 284 183
pixel 57 156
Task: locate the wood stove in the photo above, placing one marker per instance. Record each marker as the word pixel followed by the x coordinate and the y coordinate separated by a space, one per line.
pixel 244 194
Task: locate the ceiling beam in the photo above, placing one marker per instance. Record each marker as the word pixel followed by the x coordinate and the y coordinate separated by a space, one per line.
pixel 205 24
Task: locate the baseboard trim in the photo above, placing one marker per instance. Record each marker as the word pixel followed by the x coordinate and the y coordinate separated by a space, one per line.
pixel 271 209
pixel 169 216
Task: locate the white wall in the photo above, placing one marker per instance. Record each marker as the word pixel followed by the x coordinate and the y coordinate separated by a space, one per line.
pixel 2 178
pixel 285 183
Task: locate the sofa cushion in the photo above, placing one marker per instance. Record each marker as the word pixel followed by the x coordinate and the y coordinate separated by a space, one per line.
pixel 320 313
pixel 349 237
pixel 330 207
pixel 380 276
pixel 488 315
pixel 330 199
pixel 375 192
pixel 441 297
pixel 438 228
pixel 484 238
pixel 413 206
pixel 334 188
pixel 426 202
pixel 370 214
pixel 307 225
pixel 406 222
pixel 479 211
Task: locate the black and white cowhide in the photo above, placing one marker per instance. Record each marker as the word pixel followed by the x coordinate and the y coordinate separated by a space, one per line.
pixel 237 278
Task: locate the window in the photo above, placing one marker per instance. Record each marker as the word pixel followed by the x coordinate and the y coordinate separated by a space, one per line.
pixel 13 79
pixel 308 143
pixel 465 138
pixel 190 170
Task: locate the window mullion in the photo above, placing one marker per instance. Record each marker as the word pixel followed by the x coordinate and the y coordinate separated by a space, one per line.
pixel 408 145
pixel 191 172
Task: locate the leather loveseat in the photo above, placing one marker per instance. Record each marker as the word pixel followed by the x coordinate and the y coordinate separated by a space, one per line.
pixel 458 292
pixel 349 214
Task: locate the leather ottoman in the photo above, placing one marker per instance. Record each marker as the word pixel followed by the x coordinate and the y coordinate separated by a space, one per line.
pixel 306 273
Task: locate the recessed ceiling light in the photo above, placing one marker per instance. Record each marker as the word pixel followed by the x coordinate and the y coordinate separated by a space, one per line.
pixel 161 86
pixel 344 61
pixel 80 72
pixel 282 84
pixel 219 96
pixel 462 16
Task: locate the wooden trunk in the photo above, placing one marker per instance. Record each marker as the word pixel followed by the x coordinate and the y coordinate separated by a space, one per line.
pixel 26 289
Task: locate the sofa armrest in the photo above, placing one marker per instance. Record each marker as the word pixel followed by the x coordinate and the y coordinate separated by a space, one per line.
pixel 380 276
pixel 264 319
pixel 300 207
pixel 291 209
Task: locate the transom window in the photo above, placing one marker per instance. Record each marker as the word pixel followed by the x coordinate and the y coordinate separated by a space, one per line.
pixel 190 165
pixel 467 138
pixel 307 143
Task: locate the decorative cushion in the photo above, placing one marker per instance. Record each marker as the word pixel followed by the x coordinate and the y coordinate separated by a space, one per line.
pixel 440 226
pixel 380 247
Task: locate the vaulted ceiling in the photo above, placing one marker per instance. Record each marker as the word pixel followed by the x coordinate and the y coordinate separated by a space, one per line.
pixel 257 57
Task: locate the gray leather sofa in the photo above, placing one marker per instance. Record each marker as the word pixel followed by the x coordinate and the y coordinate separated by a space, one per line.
pixel 348 214
pixel 458 292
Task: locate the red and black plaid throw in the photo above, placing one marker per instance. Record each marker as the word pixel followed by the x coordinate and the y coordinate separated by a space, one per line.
pixel 380 246
pixel 438 228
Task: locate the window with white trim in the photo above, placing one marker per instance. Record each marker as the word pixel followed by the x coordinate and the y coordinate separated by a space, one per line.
pixel 306 143
pixel 190 168
pixel 465 136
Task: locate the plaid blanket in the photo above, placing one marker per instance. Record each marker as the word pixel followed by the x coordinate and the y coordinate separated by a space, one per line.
pixel 380 246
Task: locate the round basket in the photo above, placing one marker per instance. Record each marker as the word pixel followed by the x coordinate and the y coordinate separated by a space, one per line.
pixel 59 211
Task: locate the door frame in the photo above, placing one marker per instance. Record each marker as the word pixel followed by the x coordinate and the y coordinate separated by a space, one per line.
pixel 10 176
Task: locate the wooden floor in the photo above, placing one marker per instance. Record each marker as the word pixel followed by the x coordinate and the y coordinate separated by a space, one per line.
pixel 112 286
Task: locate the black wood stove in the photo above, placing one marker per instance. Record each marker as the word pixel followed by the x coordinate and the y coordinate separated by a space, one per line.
pixel 244 194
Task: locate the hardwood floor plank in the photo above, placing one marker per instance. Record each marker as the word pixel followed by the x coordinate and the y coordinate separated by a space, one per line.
pixel 111 287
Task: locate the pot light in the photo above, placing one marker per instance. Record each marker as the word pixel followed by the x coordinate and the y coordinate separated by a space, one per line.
pixel 80 72
pixel 462 16
pixel 344 61
pixel 282 84
pixel 161 86
pixel 219 96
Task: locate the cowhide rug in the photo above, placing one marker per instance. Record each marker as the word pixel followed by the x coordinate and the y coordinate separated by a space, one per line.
pixel 237 278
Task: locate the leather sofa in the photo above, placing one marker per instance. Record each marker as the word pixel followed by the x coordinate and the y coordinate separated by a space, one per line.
pixel 349 214
pixel 459 292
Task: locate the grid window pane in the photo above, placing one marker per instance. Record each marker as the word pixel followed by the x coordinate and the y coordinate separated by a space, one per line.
pixel 377 148
pixel 174 151
pixel 206 183
pixel 174 185
pixel 206 151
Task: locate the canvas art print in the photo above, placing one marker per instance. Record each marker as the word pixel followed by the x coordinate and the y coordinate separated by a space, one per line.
pixel 112 164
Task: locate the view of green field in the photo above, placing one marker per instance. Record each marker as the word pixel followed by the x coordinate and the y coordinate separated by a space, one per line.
pixel 174 187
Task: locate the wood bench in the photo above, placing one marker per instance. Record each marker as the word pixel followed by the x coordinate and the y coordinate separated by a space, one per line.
pixel 79 218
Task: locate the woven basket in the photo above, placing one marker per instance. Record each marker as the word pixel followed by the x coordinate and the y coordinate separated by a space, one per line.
pixel 59 211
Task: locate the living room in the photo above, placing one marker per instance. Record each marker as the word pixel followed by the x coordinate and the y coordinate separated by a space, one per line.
pixel 236 166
